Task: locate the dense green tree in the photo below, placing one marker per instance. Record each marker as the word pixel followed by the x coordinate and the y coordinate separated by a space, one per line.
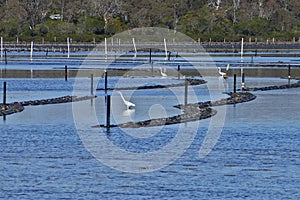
pixel 216 19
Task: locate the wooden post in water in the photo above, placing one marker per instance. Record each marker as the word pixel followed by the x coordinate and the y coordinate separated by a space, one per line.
pixel 289 75
pixel 105 48
pixel 169 55
pixel 1 48
pixel 5 55
pixel 166 50
pixel 4 93
pixel 31 50
pixel 108 114
pixel 68 46
pixel 105 82
pixel 178 71
pixel 186 92
pixel 92 85
pixel 243 80
pixel 234 84
pixel 134 46
pixel 242 48
pixel 66 73
pixel 150 55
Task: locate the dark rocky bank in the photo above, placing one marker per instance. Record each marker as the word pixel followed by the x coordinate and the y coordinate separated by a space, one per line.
pixel 191 112
pixel 147 87
pixel 275 87
pixel 19 106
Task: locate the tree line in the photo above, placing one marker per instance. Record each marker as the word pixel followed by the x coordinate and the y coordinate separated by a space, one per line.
pixel 84 20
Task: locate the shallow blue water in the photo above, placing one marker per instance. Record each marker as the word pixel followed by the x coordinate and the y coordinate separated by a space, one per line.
pixel 256 157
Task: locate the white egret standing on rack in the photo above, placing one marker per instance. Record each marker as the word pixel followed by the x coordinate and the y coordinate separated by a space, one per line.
pixel 224 74
pixel 128 104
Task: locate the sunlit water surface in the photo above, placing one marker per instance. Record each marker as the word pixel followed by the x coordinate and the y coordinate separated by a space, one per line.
pixel 256 157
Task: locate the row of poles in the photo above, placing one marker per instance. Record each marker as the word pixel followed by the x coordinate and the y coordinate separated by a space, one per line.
pixel 167 54
pixel 2 49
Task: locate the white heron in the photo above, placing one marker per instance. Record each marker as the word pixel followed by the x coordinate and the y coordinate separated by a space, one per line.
pixel 128 104
pixel 163 73
pixel 224 74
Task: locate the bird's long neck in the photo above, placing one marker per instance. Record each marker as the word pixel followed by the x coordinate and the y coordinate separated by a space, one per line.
pixel 122 97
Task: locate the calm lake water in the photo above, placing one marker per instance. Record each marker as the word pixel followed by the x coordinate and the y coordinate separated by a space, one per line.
pixel 257 156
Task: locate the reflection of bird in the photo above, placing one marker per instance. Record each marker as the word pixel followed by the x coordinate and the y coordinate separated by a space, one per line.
pixel 223 74
pixel 128 104
pixel 163 73
pixel 127 113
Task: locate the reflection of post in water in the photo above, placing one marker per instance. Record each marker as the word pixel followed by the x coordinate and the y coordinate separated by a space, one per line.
pixel 289 75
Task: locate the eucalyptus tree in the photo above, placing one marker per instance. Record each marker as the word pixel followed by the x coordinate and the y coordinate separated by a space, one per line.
pixel 106 9
pixel 36 11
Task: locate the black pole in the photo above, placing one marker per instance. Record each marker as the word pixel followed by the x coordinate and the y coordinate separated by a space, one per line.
pixel 105 81
pixel 5 55
pixel 178 71
pixel 66 72
pixel 234 84
pixel 150 55
pixel 186 92
pixel 108 114
pixel 4 93
pixel 92 84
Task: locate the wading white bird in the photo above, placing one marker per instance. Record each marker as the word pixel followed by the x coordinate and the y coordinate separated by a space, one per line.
pixel 163 73
pixel 128 104
pixel 223 74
